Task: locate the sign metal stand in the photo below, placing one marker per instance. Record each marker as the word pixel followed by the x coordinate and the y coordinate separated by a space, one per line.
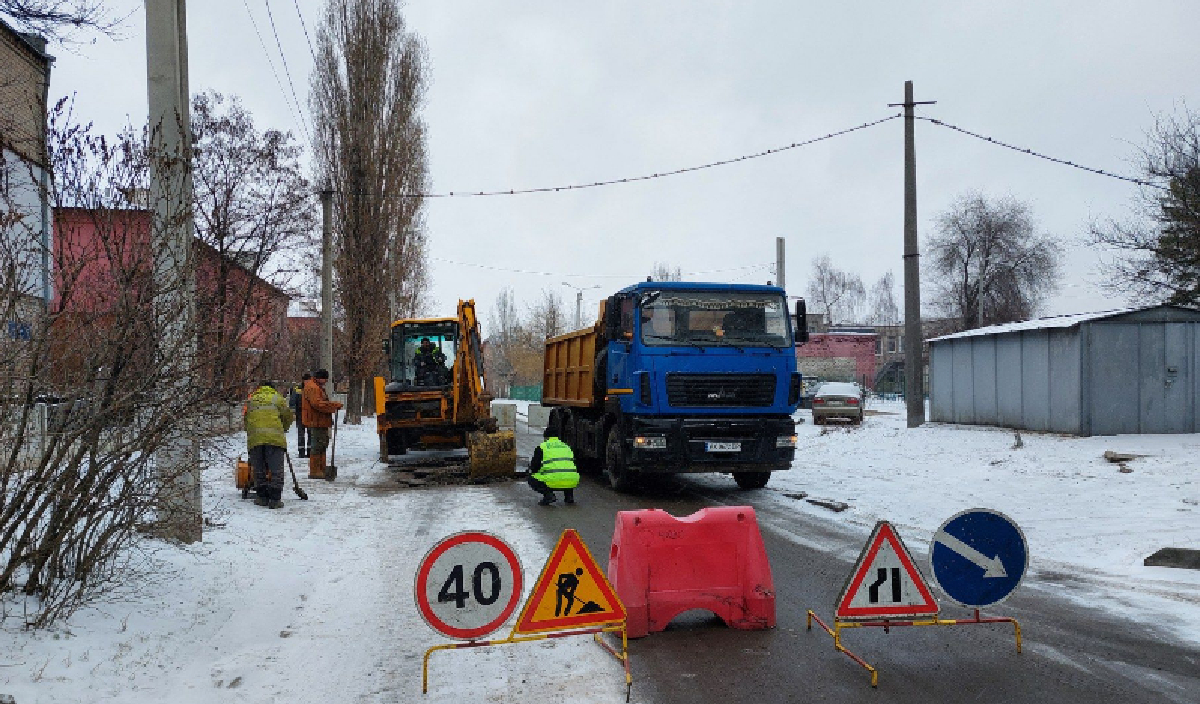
pixel 570 551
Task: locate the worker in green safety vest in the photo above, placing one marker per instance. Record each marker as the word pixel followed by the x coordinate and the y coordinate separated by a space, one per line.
pixel 552 469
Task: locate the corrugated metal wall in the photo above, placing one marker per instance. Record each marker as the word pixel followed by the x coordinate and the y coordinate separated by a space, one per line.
pixel 1029 380
pixel 1136 372
pixel 1143 377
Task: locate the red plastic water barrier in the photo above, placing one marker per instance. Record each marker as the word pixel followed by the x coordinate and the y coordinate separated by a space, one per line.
pixel 714 559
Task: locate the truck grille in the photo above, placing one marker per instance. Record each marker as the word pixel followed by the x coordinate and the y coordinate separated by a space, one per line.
pixel 720 389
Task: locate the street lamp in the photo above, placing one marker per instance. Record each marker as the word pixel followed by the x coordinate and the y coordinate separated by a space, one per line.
pixel 579 301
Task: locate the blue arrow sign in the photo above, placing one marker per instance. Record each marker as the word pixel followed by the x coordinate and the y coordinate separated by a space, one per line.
pixel 979 557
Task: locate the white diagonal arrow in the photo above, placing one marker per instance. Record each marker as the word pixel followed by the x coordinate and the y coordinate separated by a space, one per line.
pixel 992 566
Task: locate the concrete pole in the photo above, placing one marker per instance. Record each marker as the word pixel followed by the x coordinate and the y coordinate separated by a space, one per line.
pixel 780 279
pixel 914 368
pixel 327 279
pixel 579 309
pixel 177 462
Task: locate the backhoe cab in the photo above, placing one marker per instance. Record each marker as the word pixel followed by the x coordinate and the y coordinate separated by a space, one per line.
pixel 434 398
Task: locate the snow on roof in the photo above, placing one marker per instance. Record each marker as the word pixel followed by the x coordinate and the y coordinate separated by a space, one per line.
pixel 1053 321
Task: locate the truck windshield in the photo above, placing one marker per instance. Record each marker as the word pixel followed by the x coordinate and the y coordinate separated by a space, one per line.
pixel 714 319
pixel 423 352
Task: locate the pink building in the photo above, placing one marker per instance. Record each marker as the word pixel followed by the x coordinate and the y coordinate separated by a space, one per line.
pixel 103 263
pixel 839 356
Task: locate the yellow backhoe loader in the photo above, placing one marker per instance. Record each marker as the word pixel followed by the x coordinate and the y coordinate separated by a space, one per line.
pixel 435 399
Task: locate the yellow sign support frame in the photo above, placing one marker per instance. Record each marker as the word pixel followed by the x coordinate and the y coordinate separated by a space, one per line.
pixel 887 625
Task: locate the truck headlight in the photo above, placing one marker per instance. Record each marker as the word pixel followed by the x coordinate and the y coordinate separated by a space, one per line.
pixel 785 441
pixel 650 442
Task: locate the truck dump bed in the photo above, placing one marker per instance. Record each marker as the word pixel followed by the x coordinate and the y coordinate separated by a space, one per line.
pixel 568 370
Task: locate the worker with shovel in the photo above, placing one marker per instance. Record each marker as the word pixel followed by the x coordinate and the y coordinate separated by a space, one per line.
pixel 316 412
pixel 267 421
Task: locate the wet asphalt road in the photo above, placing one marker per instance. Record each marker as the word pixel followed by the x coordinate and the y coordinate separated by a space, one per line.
pixel 1071 653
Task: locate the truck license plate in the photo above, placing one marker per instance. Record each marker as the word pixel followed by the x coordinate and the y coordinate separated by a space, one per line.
pixel 723 447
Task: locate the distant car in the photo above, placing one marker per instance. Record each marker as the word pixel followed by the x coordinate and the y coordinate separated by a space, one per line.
pixel 840 400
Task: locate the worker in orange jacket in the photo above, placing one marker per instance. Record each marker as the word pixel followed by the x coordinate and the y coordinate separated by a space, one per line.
pixel 316 412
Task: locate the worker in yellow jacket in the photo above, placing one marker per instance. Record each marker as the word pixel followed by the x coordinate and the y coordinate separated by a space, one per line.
pixel 552 468
pixel 267 421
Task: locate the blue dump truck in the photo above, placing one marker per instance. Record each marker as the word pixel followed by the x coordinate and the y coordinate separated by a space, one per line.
pixel 680 377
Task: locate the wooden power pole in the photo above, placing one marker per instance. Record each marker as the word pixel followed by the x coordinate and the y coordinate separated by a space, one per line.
pixel 177 461
pixel 914 367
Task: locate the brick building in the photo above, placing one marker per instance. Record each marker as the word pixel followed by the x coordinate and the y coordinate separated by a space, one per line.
pixel 839 356
pixel 104 263
pixel 24 210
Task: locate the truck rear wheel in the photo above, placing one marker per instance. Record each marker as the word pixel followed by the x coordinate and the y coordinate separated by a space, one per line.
pixel 615 471
pixel 751 480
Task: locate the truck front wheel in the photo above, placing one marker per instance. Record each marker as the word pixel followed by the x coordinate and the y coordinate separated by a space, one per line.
pixel 615 471
pixel 751 480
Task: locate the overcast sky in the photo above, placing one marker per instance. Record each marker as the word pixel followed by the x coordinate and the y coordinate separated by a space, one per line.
pixel 555 92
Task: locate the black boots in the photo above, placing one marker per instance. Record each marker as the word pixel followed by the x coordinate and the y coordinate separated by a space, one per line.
pixel 271 498
pixel 569 494
pixel 547 499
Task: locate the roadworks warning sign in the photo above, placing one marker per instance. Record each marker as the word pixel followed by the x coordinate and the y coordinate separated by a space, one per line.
pixel 885 583
pixel 571 592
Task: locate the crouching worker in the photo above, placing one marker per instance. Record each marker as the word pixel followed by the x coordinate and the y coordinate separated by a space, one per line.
pixel 267 421
pixel 552 469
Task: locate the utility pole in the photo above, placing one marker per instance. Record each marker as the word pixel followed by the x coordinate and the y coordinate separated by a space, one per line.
pixel 914 369
pixel 780 280
pixel 177 461
pixel 327 279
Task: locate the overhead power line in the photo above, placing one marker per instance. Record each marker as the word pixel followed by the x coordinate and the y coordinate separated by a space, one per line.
pixel 1030 152
pixel 297 116
pixel 491 267
pixel 664 174
pixel 287 70
pixel 304 26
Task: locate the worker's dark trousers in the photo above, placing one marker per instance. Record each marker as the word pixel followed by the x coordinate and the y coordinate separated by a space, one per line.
pixel 301 440
pixel 547 493
pixel 264 459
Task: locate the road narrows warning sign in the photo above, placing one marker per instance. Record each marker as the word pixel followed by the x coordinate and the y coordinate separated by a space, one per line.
pixel 572 592
pixel 885 582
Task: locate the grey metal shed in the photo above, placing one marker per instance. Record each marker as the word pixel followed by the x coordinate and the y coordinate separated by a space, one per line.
pixel 1134 370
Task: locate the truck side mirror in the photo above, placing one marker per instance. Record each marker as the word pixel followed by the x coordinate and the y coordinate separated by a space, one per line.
pixel 801 322
pixel 612 319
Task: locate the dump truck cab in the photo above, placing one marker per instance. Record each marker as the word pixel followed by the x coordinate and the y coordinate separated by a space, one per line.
pixel 686 377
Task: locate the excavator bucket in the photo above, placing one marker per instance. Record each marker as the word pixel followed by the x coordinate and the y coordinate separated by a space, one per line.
pixel 492 454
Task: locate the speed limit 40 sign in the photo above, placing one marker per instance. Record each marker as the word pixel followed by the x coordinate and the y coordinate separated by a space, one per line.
pixel 468 585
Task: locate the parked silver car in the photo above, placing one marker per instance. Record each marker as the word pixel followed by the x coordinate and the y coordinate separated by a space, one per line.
pixel 840 400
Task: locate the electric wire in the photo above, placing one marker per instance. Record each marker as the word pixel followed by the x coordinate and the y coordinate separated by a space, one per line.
pixel 1030 152
pixel 299 120
pixel 491 267
pixel 287 70
pixel 649 177
pixel 304 26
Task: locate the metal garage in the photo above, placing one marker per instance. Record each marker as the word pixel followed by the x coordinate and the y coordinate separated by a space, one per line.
pixel 1120 371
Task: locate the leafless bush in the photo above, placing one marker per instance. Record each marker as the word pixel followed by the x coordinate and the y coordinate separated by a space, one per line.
pixel 92 394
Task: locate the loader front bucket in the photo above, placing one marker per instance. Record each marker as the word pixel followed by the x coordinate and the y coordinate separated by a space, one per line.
pixel 492 454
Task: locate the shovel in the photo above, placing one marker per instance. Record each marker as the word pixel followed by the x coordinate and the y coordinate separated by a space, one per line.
pixel 331 468
pixel 295 484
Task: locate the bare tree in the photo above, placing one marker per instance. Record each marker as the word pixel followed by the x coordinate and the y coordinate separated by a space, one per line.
pixel 60 19
pixel 838 294
pixel 665 272
pixel 367 90
pixel 252 206
pixel 883 308
pixel 1158 254
pixel 547 317
pixel 988 264
pixel 82 415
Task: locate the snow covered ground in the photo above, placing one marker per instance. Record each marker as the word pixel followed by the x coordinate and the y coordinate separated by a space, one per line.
pixel 1088 525
pixel 310 603
pixel 313 603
